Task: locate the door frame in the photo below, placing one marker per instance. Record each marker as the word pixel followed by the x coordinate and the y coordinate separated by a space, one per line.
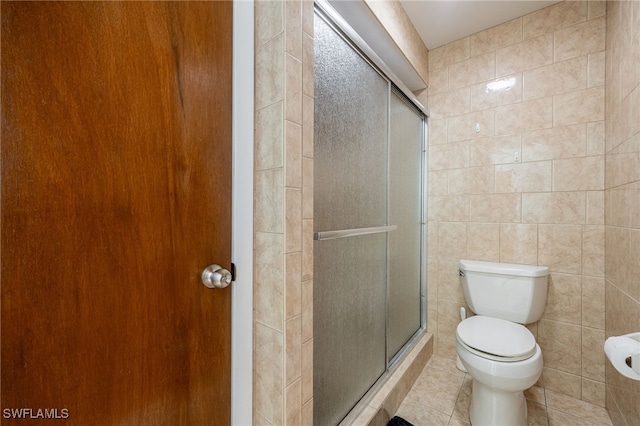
pixel 242 214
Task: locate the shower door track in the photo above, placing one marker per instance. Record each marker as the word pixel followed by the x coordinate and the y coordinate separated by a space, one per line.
pixel 336 21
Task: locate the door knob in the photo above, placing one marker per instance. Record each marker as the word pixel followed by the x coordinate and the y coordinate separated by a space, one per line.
pixel 215 276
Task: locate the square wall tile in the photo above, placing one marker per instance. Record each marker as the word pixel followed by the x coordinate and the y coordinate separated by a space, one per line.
pixel 438 182
pixel 447 104
pixel 472 180
pixel 496 37
pixel 524 177
pixel 498 150
pixel 564 301
pixel 449 156
pixel 502 91
pixel 452 238
pixel 448 208
pixel 554 207
pixel 580 39
pixel 472 70
pixel 519 243
pixel 449 54
pixel 557 142
pixel 579 174
pixel 581 106
pixel 474 125
pixel 554 17
pixel 483 241
pixel 495 208
pixel 559 247
pixel 561 77
pixel 525 116
pixel 527 55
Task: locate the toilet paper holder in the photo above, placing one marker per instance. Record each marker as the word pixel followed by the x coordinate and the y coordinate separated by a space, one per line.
pixel 624 354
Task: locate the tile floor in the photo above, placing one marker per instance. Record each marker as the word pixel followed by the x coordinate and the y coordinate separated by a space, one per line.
pixel 441 396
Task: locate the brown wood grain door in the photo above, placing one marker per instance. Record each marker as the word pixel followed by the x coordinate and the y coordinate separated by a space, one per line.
pixel 116 193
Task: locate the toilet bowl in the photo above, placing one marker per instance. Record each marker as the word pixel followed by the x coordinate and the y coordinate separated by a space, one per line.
pixel 503 359
pixel 500 353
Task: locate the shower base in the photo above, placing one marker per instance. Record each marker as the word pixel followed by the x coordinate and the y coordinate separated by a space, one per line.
pixel 380 404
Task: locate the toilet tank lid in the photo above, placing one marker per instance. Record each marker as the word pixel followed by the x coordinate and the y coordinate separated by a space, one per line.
pixel 504 268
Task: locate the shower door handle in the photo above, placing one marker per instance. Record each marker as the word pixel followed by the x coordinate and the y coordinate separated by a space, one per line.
pixel 343 233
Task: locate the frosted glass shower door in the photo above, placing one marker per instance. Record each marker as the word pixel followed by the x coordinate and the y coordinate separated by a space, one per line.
pixel 350 192
pixel 406 136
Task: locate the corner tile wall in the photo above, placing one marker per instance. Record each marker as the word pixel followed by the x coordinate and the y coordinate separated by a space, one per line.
pixel 622 197
pixel 283 213
pixel 518 176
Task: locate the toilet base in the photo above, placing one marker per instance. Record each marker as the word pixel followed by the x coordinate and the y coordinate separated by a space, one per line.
pixel 494 408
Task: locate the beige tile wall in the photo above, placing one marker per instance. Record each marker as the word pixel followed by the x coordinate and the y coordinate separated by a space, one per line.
pixel 622 197
pixel 283 213
pixel 527 186
pixel 549 207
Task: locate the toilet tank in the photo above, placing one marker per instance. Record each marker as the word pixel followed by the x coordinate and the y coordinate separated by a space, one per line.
pixel 512 292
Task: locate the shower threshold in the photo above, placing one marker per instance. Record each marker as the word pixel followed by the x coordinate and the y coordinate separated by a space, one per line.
pixel 381 402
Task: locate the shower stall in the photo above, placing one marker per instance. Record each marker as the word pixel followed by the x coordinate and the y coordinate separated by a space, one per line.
pixel 369 238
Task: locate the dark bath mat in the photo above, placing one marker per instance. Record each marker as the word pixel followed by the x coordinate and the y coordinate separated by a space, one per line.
pixel 398 421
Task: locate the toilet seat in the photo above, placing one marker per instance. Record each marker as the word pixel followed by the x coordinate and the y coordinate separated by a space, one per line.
pixel 496 339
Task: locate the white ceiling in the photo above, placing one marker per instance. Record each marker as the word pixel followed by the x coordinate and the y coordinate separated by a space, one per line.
pixel 442 21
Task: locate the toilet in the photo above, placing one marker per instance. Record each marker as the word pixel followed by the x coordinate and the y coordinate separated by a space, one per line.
pixel 494 346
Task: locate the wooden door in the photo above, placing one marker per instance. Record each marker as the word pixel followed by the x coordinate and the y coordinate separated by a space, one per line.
pixel 116 189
